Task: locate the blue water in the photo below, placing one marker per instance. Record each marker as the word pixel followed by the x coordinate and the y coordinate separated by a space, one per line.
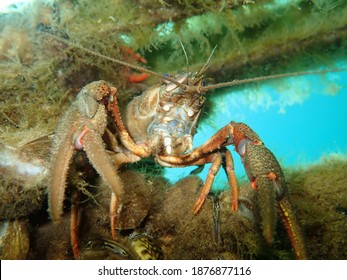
pixel 301 119
pixel 6 4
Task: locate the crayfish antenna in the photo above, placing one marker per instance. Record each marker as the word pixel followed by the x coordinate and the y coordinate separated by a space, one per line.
pixel 207 63
pixel 185 54
pixel 269 77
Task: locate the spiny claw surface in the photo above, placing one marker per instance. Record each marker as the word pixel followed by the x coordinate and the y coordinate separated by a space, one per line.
pixel 81 127
pixel 265 173
pixel 266 200
pixel 63 148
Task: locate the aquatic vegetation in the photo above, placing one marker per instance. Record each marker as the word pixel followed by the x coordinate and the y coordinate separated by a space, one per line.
pixel 323 219
pixel 23 181
pixel 183 235
pixel 14 240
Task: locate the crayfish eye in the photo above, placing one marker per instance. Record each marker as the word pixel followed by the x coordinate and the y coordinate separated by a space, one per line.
pixel 166 81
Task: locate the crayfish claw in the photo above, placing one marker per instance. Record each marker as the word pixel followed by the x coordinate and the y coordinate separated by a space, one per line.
pixel 267 179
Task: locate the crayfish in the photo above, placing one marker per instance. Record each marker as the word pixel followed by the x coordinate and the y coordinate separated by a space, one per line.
pixel 161 123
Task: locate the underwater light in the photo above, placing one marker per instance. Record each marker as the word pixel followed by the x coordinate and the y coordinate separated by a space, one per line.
pixel 6 4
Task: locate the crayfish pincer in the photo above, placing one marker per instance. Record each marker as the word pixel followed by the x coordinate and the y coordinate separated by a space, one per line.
pixel 81 128
pixel 267 178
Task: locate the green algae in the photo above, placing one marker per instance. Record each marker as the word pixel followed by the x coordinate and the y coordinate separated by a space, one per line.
pixel 318 192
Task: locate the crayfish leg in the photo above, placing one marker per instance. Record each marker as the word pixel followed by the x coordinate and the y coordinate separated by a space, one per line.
pixel 74 224
pixel 113 215
pixel 216 165
pixel 229 169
